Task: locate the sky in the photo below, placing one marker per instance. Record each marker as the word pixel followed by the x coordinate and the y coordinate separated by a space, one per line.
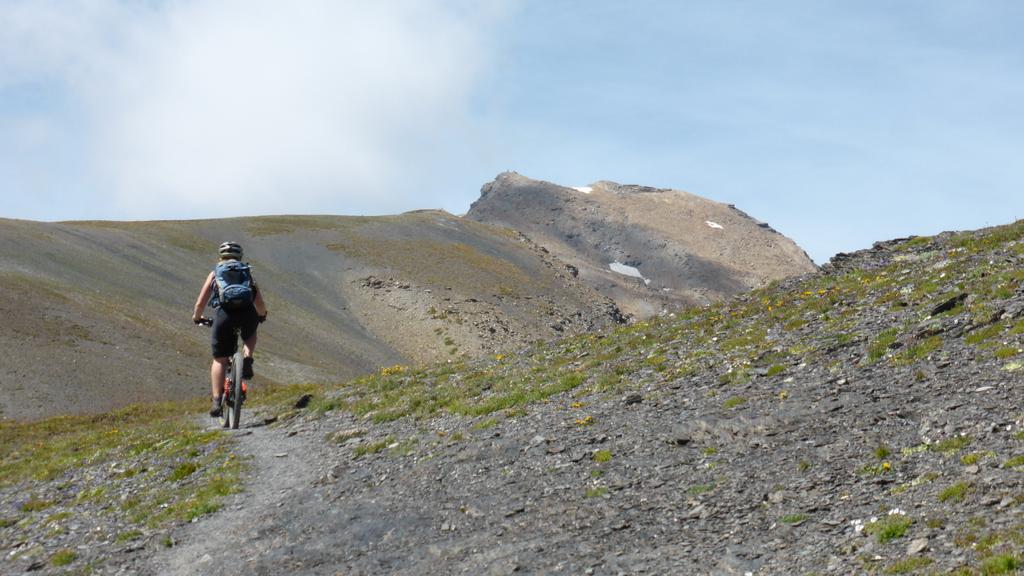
pixel 840 123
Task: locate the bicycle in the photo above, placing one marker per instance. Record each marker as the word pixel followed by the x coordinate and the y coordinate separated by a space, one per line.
pixel 230 409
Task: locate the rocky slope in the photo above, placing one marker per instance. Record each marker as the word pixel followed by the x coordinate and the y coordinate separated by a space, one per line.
pixel 865 419
pixel 648 249
pixel 97 314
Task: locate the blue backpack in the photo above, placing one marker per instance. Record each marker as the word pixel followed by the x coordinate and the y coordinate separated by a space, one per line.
pixel 234 285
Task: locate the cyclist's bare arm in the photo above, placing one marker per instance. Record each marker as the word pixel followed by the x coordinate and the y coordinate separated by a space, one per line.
pixel 261 308
pixel 204 297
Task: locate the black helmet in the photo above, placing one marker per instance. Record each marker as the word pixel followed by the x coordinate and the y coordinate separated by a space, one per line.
pixel 231 250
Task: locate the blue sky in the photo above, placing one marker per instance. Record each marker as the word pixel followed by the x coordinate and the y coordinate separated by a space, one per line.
pixel 840 123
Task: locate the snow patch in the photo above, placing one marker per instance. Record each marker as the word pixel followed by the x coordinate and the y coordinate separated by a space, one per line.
pixel 621 268
pixel 584 189
pixel 714 225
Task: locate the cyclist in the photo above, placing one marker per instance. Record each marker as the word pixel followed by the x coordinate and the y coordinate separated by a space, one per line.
pixel 245 317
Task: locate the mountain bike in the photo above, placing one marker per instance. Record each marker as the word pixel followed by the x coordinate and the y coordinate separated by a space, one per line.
pixel 235 388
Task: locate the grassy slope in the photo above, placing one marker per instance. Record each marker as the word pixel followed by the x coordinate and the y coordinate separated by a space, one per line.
pixel 108 480
pixel 829 317
pixel 735 339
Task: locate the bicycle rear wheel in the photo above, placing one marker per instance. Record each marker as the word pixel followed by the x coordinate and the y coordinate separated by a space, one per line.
pixel 225 401
pixel 235 412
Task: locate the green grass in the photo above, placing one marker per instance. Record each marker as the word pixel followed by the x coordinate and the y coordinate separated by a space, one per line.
pixel 198 465
pixel 883 467
pixel 486 424
pixel 918 351
pixel 596 491
pixel 183 470
pixel 63 557
pixel 58 517
pixel 879 347
pixel 128 535
pixel 951 445
pixel 908 565
pixel 657 361
pixel 980 336
pixel 219 476
pixel 955 493
pixel 424 392
pixel 1018 328
pixel 404 448
pixel 888 528
pixel 374 447
pixel 47 449
pixel 1015 462
pixel 1001 564
pixel 1007 352
pixel 737 376
pixel 935 522
pixel 980 241
pixel 91 494
pixel 793 518
pixel 698 489
pixel 602 456
pixel 34 504
pixel 733 402
pixel 916 242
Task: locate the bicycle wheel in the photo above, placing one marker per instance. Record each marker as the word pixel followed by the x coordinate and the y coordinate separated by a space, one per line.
pixel 236 390
pixel 225 400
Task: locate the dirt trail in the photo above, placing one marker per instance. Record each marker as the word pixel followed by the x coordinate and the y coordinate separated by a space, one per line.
pixel 225 543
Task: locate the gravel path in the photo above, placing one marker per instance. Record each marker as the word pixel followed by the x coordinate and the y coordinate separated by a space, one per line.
pixel 225 543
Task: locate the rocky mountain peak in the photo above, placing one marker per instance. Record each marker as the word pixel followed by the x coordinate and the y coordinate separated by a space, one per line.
pixel 649 249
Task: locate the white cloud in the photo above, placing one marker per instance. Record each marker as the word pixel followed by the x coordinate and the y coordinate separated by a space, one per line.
pixel 239 106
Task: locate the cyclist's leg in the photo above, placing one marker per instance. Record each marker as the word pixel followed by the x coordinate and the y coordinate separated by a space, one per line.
pixel 223 344
pixel 250 345
pixel 247 361
pixel 248 323
pixel 218 371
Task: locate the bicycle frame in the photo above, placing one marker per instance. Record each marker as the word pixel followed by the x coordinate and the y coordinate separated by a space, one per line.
pixel 231 400
pixel 234 387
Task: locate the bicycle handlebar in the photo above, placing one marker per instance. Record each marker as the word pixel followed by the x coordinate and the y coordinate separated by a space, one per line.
pixel 209 321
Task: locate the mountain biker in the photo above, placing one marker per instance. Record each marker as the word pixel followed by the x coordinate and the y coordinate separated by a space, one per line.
pixel 245 317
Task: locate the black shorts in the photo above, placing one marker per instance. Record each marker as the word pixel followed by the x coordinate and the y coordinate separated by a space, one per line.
pixel 224 323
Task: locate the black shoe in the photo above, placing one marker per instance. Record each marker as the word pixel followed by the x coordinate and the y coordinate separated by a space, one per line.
pixel 247 368
pixel 215 409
